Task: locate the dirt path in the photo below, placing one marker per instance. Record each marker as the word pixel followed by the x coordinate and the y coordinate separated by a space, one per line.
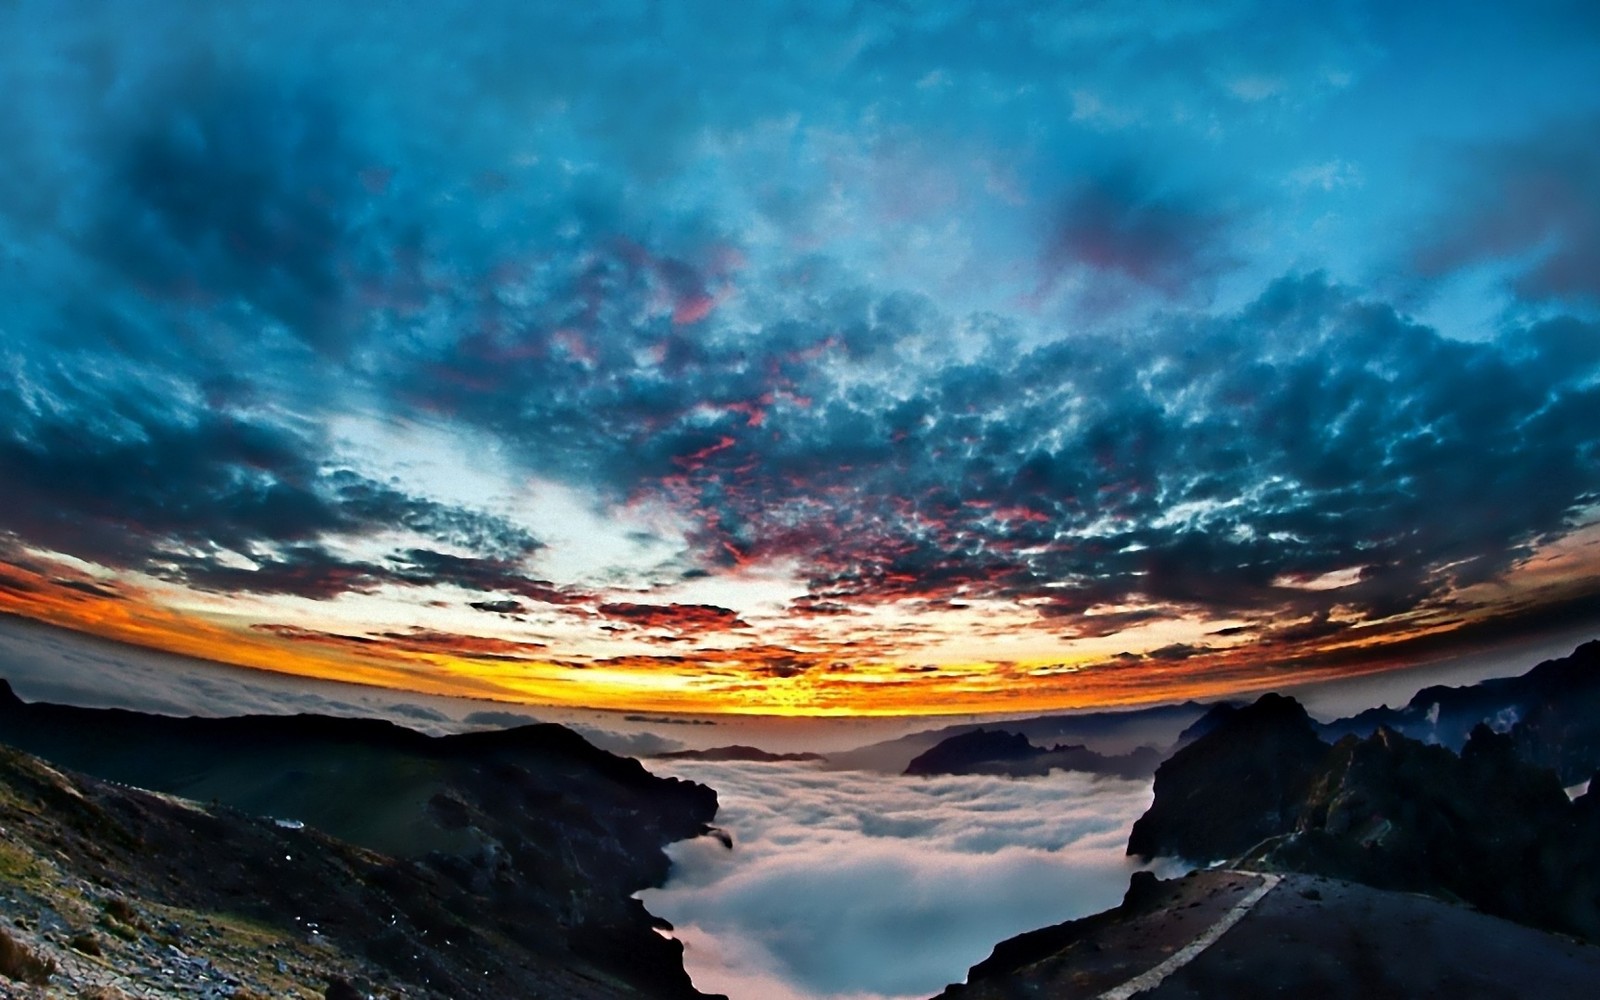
pixel 1152 978
pixel 1248 936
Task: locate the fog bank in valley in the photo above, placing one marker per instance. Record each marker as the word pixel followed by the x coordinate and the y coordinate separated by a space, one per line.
pixel 860 885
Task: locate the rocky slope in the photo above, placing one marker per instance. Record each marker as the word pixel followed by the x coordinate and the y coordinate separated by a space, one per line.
pixel 996 752
pixel 1242 782
pixel 1484 826
pixel 486 864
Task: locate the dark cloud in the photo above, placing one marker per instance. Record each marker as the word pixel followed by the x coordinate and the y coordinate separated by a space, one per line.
pixel 499 607
pixel 231 194
pixel 1211 462
pixel 1176 652
pixel 91 588
pixel 225 501
pixel 668 720
pixel 414 640
pixel 691 618
pixel 1531 204
pixel 1318 626
pixel 1121 234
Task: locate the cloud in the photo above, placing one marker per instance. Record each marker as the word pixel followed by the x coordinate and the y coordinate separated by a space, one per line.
pixel 413 640
pixel 1531 205
pixel 861 885
pixel 843 296
pixel 420 713
pixel 230 194
pixel 506 607
pixel 105 469
pixel 1118 234
pixel 1176 651
pixel 1313 431
pixel 693 618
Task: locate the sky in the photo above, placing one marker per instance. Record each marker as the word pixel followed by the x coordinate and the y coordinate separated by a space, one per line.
pixel 794 358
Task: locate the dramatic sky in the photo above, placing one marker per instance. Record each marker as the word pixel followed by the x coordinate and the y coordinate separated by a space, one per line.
pixel 801 357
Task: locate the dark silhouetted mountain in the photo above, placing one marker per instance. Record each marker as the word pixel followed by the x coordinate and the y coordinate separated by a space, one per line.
pixel 1112 732
pixel 736 752
pixel 530 838
pixel 1485 826
pixel 1215 716
pixel 1552 713
pixel 994 751
pixel 1242 782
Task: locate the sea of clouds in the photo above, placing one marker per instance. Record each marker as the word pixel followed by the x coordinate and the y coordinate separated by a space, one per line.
pixel 868 886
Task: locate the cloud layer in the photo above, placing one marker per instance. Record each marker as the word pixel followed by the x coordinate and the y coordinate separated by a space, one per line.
pixel 849 884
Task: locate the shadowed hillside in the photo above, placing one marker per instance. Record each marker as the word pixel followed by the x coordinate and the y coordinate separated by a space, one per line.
pixel 529 841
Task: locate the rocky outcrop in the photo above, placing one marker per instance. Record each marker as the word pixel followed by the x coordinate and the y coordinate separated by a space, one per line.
pixel 995 752
pixel 530 838
pixel 1387 811
pixel 1484 826
pixel 1226 792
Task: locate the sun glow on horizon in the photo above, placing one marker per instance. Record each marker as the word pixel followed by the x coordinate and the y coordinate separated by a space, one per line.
pixel 750 677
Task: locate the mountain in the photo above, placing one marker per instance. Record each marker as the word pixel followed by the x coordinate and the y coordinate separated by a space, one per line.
pixel 1111 732
pixel 736 752
pixel 1240 783
pixel 529 841
pixel 1552 714
pixel 1485 826
pixel 993 751
pixel 1348 860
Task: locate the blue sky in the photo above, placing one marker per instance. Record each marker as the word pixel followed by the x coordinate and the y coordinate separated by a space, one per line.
pixel 800 357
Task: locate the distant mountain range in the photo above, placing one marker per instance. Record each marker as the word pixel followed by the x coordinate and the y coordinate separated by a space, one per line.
pixel 487 864
pixel 996 752
pixel 1551 713
pixel 736 752
pixel 1111 732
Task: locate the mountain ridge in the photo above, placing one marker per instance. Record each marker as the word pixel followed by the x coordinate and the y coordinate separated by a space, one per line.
pixel 531 836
